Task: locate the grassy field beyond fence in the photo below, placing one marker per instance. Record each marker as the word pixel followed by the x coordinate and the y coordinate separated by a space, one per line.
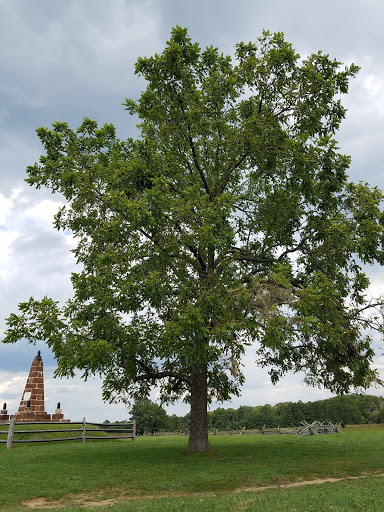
pixel 156 473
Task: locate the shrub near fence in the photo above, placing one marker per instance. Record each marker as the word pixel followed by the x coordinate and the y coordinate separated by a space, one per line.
pixel 83 431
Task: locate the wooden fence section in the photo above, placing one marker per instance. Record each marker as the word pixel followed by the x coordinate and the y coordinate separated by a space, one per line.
pixel 317 427
pixel 305 430
pixel 120 428
pixel 264 431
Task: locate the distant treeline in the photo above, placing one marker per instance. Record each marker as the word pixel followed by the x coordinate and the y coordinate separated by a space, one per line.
pixel 349 409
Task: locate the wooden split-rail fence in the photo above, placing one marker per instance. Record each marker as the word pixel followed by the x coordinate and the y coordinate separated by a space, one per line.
pixel 306 429
pixel 317 427
pixel 125 431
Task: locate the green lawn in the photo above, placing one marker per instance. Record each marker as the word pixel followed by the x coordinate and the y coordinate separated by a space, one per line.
pixel 156 473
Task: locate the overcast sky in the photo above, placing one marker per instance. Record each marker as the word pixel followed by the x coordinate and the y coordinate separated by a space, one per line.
pixel 62 61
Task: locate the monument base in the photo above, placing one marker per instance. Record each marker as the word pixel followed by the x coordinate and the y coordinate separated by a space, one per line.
pixel 32 416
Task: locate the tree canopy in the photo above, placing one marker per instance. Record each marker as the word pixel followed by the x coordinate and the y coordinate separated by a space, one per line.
pixel 149 416
pixel 229 222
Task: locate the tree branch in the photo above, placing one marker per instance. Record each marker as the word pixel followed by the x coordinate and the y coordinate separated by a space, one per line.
pixel 243 256
pixel 194 154
pixel 197 165
pixel 231 169
pixel 150 373
pixel 294 249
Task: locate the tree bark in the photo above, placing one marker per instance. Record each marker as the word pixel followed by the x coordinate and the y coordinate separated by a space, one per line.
pixel 198 433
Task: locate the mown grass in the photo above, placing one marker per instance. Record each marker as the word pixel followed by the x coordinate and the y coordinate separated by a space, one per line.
pixel 365 495
pixel 156 473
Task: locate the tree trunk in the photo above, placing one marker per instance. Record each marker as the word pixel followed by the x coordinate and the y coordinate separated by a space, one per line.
pixel 198 433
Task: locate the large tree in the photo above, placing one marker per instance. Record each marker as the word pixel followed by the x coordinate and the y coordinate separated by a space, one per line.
pixel 230 221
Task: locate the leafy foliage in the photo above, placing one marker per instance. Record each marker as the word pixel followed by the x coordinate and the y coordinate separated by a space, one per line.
pixel 149 416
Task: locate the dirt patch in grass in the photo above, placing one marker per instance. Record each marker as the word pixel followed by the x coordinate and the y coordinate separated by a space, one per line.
pixel 99 499
pixel 305 482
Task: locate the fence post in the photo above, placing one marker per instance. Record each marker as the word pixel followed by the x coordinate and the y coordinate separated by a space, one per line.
pixel 11 431
pixel 133 430
pixel 83 432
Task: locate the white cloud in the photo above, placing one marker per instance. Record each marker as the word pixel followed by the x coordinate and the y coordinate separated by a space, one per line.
pixel 373 85
pixel 12 383
pixel 42 213
pixel 6 240
pixel 16 221
pixel 11 388
pixel 5 207
pixel 35 259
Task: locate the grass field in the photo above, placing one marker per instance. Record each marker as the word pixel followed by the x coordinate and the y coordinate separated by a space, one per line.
pixel 156 474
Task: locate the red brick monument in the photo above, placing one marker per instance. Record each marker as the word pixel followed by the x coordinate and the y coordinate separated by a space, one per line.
pixel 32 401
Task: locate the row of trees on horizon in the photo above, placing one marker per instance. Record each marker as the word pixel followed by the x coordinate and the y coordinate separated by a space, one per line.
pixel 347 409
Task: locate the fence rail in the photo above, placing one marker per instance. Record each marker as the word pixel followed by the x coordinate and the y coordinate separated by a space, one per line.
pixel 128 428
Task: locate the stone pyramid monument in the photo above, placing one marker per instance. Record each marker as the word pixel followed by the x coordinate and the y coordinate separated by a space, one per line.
pixel 32 402
pixel 32 406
